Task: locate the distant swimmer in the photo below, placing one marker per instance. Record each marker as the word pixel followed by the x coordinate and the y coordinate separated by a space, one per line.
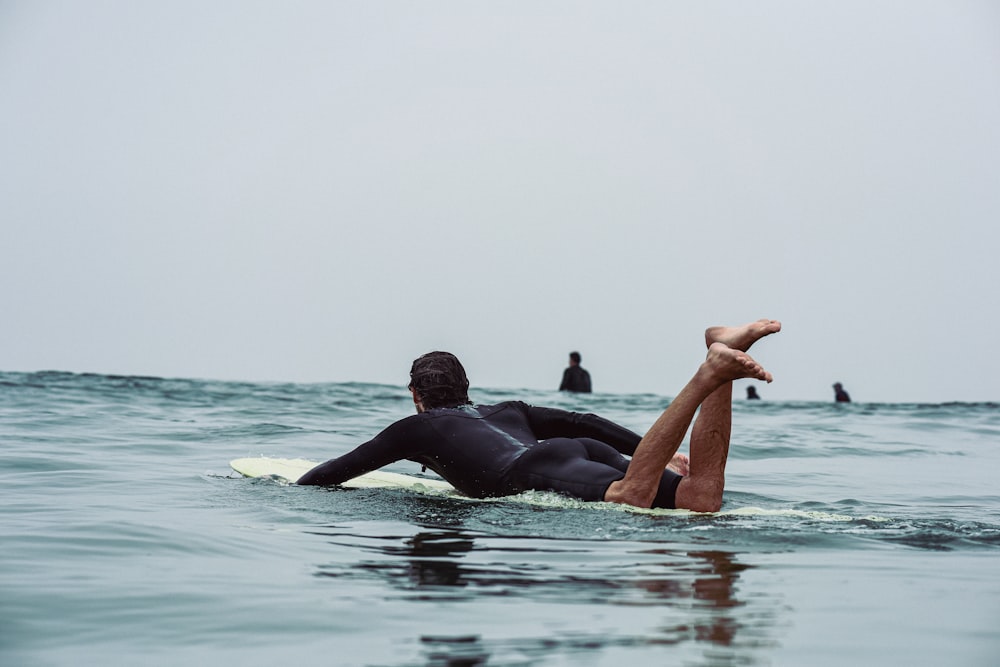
pixel 575 378
pixel 752 393
pixel 505 449
pixel 839 394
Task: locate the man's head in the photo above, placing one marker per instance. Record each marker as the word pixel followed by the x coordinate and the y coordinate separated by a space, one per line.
pixel 438 380
pixel 574 358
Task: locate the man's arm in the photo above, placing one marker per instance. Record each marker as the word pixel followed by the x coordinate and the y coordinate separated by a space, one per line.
pixel 383 449
pixel 553 423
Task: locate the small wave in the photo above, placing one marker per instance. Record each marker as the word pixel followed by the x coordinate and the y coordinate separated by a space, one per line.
pixel 250 432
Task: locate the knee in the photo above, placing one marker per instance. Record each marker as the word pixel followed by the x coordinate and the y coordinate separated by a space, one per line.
pixel 700 494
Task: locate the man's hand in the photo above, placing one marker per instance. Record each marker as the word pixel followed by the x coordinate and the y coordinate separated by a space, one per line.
pixel 680 464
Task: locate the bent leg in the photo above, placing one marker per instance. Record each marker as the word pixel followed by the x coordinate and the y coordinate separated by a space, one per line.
pixel 701 490
pixel 722 365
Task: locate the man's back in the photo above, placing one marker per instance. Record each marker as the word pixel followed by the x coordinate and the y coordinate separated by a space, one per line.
pixel 575 378
pixel 474 448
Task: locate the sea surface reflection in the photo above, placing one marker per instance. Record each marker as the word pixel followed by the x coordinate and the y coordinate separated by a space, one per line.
pixel 612 593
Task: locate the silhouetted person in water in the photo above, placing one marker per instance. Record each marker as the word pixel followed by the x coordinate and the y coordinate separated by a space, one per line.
pixel 752 393
pixel 839 394
pixel 575 378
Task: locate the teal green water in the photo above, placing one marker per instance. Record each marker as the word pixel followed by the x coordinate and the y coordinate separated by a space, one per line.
pixel 127 540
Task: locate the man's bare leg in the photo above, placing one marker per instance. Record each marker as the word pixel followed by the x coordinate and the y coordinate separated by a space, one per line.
pixel 722 365
pixel 701 489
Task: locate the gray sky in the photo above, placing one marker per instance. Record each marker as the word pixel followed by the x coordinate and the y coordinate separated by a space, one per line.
pixel 321 191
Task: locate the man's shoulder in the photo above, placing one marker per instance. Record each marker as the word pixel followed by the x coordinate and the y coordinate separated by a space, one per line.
pixel 464 411
pixel 404 424
pixel 519 405
pixel 502 405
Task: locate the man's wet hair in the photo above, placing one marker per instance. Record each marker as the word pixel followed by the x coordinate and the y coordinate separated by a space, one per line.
pixel 575 356
pixel 440 381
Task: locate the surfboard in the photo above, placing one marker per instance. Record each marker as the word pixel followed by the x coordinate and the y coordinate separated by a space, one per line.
pixel 288 471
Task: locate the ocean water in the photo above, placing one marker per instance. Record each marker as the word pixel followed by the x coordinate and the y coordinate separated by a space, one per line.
pixel 861 534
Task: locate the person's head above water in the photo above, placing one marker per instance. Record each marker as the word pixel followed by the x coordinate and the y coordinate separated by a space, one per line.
pixel 574 358
pixel 438 380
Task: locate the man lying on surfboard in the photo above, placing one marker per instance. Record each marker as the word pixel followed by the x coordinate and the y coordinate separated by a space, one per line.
pixel 511 447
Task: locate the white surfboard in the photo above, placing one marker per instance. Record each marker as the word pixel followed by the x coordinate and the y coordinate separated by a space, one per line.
pixel 290 470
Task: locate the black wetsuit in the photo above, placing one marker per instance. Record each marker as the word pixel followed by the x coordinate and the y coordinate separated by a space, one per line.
pixel 575 378
pixel 501 450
